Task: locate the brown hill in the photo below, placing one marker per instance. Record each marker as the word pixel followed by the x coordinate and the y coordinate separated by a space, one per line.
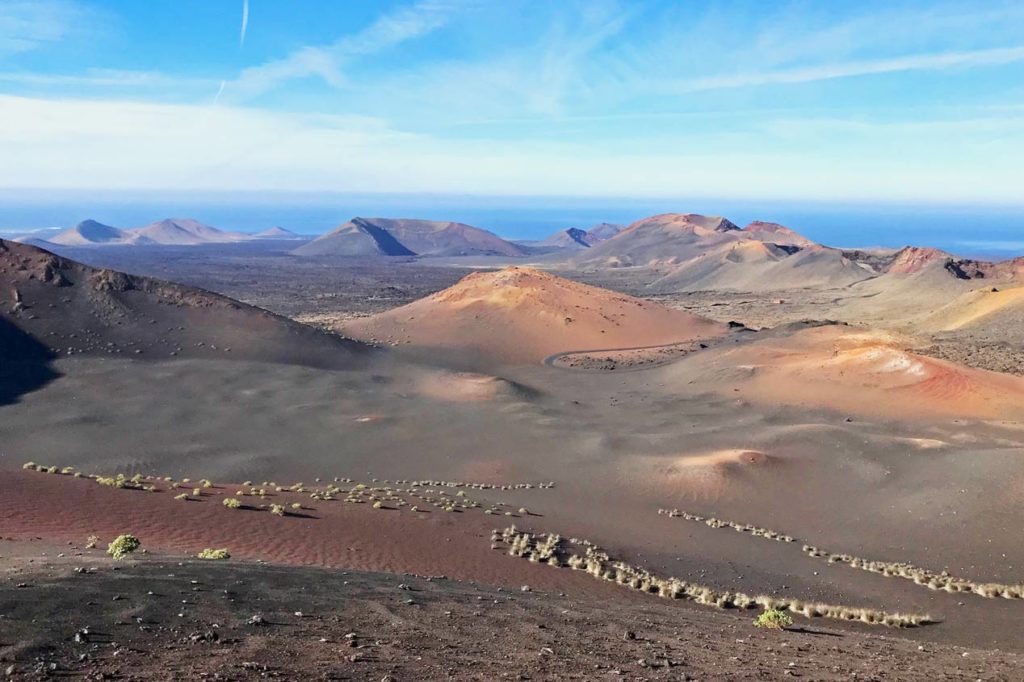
pixel 914 259
pixel 441 238
pixel 168 232
pixel 690 252
pixel 572 238
pixel 922 289
pixel 776 234
pixel 524 315
pixel 91 232
pixel 751 265
pixel 662 239
pixel 357 237
pixel 183 231
pixel 603 231
pixel 986 312
pixel 406 237
pixel 277 232
pixel 52 306
pixel 576 238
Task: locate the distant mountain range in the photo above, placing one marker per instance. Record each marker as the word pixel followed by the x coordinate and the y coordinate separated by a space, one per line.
pixel 692 252
pixel 671 252
pixel 170 232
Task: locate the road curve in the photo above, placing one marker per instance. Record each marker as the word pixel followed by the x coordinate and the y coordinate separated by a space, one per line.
pixel 552 359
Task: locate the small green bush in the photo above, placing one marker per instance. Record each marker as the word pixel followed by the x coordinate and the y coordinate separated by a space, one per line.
pixel 183 497
pixel 123 545
pixel 773 619
pixel 119 481
pixel 29 465
pixel 214 554
pixel 232 503
pixel 277 509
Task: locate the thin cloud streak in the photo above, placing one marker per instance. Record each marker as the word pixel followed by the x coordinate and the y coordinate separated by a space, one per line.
pixel 104 78
pixel 245 23
pixel 809 74
pixel 993 244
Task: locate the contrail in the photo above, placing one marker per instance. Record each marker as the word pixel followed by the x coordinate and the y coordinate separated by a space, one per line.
pixel 245 22
pixel 241 43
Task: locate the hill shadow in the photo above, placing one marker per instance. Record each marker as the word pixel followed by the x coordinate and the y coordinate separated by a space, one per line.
pixel 24 363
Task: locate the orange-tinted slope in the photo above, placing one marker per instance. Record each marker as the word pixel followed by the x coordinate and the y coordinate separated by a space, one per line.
pixel 524 315
pixel 858 372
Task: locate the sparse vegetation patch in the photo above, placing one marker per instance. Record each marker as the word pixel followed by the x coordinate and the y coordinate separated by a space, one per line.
pixel 122 546
pixel 920 576
pixel 553 550
pixel 773 619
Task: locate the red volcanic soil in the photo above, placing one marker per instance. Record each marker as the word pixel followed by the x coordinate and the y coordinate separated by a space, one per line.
pixel 913 259
pixel 522 315
pixel 864 372
pixel 334 533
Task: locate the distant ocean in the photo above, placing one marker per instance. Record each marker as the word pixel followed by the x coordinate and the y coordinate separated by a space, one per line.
pixel 975 231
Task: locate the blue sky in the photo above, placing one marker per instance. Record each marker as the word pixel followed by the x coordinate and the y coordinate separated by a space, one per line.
pixel 852 101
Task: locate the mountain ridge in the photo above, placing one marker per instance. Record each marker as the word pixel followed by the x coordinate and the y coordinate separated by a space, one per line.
pixel 408 237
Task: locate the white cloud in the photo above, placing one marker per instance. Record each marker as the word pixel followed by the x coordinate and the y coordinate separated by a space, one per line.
pixel 78 143
pixel 126 145
pixel 27 25
pixel 326 61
